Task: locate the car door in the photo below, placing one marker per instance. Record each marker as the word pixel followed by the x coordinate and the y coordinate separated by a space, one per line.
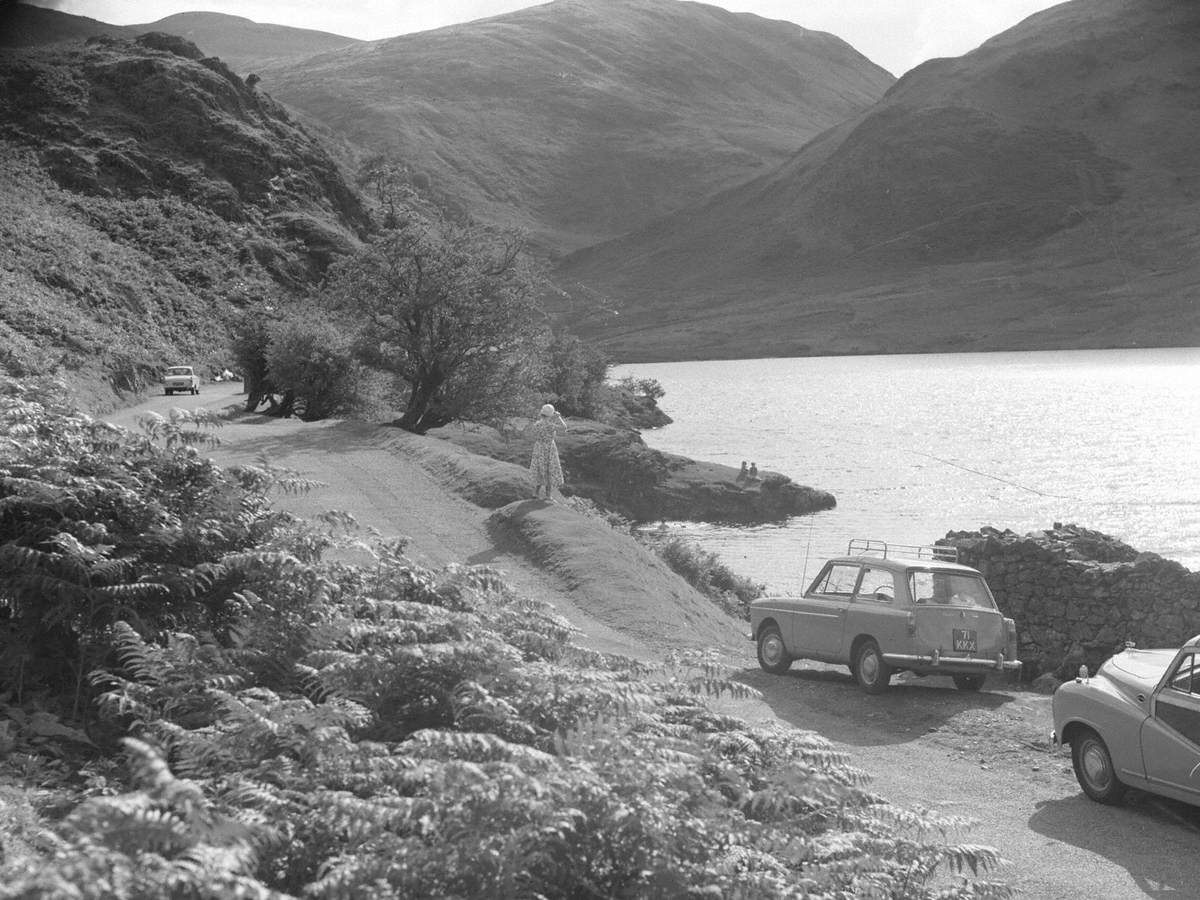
pixel 820 615
pixel 1171 735
pixel 876 611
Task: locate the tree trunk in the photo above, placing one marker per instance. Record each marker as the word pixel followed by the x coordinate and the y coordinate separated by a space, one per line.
pixel 419 416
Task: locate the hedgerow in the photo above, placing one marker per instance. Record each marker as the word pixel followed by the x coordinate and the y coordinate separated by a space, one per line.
pixel 291 725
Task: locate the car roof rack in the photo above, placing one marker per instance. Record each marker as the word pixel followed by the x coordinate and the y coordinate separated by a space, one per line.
pixel 865 547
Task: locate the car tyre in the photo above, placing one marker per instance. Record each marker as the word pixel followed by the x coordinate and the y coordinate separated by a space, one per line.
pixel 871 672
pixel 1094 768
pixel 772 654
pixel 969 682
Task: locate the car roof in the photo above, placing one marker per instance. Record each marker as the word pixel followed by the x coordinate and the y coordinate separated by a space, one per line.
pixel 900 563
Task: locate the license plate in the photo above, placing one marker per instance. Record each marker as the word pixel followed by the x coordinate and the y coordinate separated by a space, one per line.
pixel 965 641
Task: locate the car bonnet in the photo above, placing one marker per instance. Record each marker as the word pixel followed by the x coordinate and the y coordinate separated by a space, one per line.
pixel 1144 668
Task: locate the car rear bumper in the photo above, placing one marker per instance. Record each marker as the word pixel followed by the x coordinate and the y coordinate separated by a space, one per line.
pixel 951 663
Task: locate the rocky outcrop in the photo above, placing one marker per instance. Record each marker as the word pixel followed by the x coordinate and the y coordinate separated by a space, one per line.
pixel 614 468
pixel 1077 595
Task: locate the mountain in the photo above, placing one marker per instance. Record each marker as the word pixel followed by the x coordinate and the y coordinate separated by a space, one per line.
pixel 243 44
pixel 1039 192
pixel 236 41
pixel 579 120
pixel 147 194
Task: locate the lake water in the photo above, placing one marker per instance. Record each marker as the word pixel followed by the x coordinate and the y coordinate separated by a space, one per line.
pixel 916 446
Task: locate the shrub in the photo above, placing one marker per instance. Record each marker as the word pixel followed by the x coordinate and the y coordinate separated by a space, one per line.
pixel 387 730
pixel 100 525
pixel 312 359
pixel 705 572
pixel 575 373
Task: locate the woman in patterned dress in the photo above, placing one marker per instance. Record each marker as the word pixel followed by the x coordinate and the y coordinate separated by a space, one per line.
pixel 545 465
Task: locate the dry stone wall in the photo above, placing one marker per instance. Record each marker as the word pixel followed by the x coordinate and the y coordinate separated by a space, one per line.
pixel 1077 595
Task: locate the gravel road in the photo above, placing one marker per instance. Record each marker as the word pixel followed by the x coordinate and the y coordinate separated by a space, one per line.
pixel 983 756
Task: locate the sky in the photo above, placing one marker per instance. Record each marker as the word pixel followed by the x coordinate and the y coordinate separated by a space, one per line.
pixel 896 34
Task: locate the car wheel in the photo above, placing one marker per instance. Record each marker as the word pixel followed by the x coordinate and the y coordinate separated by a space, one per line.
pixel 969 682
pixel 872 672
pixel 772 654
pixel 1094 768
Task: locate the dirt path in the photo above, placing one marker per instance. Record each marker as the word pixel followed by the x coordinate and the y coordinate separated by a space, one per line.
pixel 981 756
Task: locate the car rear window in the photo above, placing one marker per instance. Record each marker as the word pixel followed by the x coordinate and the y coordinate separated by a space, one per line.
pixel 950 589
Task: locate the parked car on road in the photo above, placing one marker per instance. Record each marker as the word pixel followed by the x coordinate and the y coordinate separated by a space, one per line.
pixel 182 379
pixel 883 609
pixel 1134 724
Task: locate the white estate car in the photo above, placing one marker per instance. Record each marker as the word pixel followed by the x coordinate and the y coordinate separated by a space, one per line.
pixel 182 379
pixel 886 608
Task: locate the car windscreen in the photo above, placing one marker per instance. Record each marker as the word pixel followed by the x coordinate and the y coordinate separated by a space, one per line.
pixel 950 589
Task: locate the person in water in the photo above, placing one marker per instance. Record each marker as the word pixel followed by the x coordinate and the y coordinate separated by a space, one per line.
pixel 545 465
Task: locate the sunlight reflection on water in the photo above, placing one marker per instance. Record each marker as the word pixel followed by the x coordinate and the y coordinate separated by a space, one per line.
pixel 915 446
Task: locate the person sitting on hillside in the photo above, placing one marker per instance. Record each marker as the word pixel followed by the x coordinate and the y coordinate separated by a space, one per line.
pixel 744 475
pixel 754 472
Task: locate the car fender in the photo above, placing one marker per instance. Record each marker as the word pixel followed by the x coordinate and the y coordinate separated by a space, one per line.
pixel 1094 703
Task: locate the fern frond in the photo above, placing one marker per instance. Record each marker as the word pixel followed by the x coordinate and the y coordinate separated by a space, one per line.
pixel 476 747
pixel 976 857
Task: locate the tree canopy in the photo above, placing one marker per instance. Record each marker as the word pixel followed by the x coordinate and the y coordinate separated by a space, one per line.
pixel 449 308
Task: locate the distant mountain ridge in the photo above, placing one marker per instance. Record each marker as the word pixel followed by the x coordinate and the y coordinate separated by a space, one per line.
pixel 242 43
pixel 579 120
pixel 1040 191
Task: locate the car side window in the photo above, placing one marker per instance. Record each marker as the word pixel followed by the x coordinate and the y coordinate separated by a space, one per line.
pixel 1185 677
pixel 837 580
pixel 877 584
pixel 921 587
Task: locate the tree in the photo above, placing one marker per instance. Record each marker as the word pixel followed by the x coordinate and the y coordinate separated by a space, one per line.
pixel 449 308
pixel 250 340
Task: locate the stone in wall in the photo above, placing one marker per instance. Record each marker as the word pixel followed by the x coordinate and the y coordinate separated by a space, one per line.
pixel 1078 595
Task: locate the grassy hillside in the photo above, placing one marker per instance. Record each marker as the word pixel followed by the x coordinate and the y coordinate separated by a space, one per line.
pixel 580 119
pixel 146 195
pixel 242 43
pixel 1039 192
pixel 23 25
